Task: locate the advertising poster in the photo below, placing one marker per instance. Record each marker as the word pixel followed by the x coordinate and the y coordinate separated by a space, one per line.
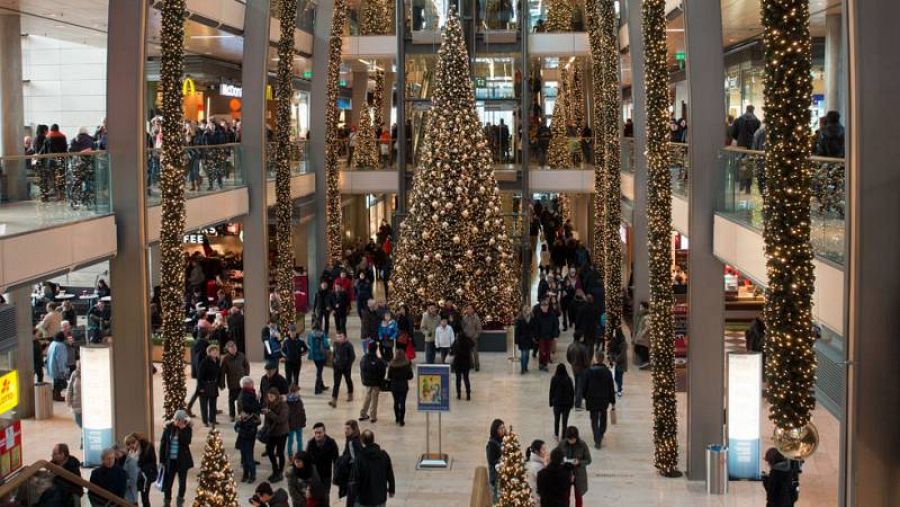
pixel 9 391
pixel 10 449
pixel 744 405
pixel 96 402
pixel 433 387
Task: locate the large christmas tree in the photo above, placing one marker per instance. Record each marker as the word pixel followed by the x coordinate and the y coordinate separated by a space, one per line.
pixel 215 482
pixel 453 242
pixel 514 490
pixel 558 153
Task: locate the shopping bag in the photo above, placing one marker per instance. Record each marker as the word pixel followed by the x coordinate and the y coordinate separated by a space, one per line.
pixel 612 416
pixel 160 478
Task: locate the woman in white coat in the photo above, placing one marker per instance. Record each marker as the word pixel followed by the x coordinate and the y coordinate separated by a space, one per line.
pixel 535 461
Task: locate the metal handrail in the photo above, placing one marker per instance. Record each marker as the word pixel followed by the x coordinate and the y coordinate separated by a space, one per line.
pixel 200 146
pixel 24 475
pixel 814 158
pixel 65 154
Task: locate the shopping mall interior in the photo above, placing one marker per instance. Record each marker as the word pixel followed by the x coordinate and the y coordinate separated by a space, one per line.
pixel 673 188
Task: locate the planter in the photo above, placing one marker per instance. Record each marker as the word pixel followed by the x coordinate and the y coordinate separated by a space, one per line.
pixel 488 341
pixel 157 353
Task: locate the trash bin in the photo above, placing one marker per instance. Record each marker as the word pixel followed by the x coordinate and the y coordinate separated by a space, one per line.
pixel 43 400
pixel 716 470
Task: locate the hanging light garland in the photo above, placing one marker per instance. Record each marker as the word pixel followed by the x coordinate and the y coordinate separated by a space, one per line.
pixel 611 104
pixel 366 153
pixel 171 186
pixel 560 16
pixel 659 231
pixel 575 103
pixel 791 361
pixel 598 234
pixel 558 152
pixel 284 91
pixel 334 217
pixel 378 101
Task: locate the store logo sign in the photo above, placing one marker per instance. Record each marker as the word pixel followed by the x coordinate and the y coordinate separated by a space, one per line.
pixel 230 90
pixel 188 88
pixel 9 391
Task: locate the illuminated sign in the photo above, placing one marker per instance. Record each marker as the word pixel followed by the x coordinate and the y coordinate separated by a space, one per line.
pixel 744 403
pixel 9 391
pixel 96 402
pixel 187 87
pixel 230 90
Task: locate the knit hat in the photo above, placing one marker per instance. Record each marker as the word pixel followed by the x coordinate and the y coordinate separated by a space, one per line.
pixel 181 415
pixel 271 365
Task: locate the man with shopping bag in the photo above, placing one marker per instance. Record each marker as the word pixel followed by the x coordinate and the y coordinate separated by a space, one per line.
pixel 599 394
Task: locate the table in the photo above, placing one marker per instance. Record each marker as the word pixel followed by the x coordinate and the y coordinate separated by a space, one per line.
pixel 65 297
pixel 88 297
pixel 106 299
pixel 238 301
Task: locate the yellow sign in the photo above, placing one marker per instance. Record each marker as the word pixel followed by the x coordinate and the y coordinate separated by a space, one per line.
pixel 9 391
pixel 187 87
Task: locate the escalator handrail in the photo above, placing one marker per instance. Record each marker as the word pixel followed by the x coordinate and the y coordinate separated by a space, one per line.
pixel 25 474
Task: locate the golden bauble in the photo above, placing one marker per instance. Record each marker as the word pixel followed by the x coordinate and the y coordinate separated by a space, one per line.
pixel 797 443
pixel 456 239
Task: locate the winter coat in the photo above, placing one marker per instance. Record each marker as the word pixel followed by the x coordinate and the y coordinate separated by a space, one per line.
pixel 344 355
pixel 533 467
pixel 471 325
pixel 363 291
pixel 562 392
pixel 462 353
pixel 277 381
pixel 388 332
pixel 248 403
pixel 618 351
pixel 599 390
pixel 73 391
pixel 578 356
pixel 234 367
pixel 831 141
pixel 553 485
pixel 428 325
pixel 208 377
pixel 372 370
pixel 444 337
pixel 400 373
pixel 322 301
pixel 524 334
pixel 293 349
pixel 339 302
pixel 779 485
pixel 277 418
pixel 184 460
pixel 298 486
pixel 323 457
pixel 743 128
pixel 546 325
pixel 81 142
pixel 57 357
pixel 578 451
pixel 370 324
pixel 494 451
pixel 112 479
pixel 375 476
pixel 318 345
pixel 198 354
pixel 55 143
pixel 296 412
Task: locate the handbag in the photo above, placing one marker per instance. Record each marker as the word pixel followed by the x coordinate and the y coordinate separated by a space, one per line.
pixel 385 384
pixel 263 435
pixel 612 416
pixel 160 478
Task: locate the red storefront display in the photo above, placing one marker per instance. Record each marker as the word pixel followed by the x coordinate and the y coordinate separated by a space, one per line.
pixel 10 448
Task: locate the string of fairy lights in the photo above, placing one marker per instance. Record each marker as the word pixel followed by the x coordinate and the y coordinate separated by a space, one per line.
pixel 659 230
pixel 215 481
pixel 377 19
pixel 560 16
pixel 171 184
pixel 558 152
pixel 365 155
pixel 791 361
pixel 378 101
pixel 334 216
pixel 598 235
pixel 610 102
pixel 284 90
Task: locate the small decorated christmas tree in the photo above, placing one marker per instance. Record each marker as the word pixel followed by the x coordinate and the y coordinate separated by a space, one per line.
pixel 558 154
pixel 215 483
pixel 366 154
pixel 514 490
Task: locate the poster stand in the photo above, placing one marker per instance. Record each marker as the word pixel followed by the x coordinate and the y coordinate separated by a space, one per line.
pixel 433 394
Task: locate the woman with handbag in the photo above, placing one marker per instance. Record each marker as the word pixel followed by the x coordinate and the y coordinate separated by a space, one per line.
pixel 138 445
pixel 276 429
pixel 246 427
pixel 462 363
pixel 399 374
pixel 175 456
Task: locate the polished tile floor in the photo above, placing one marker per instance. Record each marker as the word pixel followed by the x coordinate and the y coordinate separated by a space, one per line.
pixel 621 473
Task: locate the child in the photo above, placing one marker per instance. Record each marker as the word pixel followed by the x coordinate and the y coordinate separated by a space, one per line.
pixel 296 419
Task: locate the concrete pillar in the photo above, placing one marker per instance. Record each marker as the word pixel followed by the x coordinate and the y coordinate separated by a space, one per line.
pixel 387 104
pixel 317 108
pixel 154 260
pixel 872 423
pixel 132 381
pixel 21 299
pixel 639 117
pixel 581 211
pixel 400 23
pixel 256 229
pixel 834 62
pixel 12 104
pixel 359 100
pixel 706 355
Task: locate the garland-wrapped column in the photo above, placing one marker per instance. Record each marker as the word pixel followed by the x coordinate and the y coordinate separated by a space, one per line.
pixel 378 101
pixel 333 211
pixel 284 91
pixel 611 105
pixel 558 152
pixel 659 217
pixel 171 186
pixel 791 361
pixel 598 236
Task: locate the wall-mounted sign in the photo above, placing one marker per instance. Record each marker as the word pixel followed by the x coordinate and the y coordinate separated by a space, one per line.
pixel 196 237
pixel 744 404
pixel 9 391
pixel 96 402
pixel 230 90
pixel 187 87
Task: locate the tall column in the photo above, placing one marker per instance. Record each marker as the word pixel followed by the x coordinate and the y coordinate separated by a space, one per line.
pixel 639 117
pixel 526 253
pixel 705 68
pixel 360 87
pixel 834 62
pixel 256 229
pixel 387 103
pixel 12 104
pixel 132 381
pixel 21 299
pixel 154 261
pixel 400 80
pixel 873 391
pixel 317 107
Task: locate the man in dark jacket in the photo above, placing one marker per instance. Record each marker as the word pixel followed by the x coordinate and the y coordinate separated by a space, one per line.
pixel 372 371
pixel 342 363
pixel 293 349
pixel 546 329
pixel 236 329
pixel 109 476
pixel 234 367
pixel 830 142
pixel 198 354
pixel 209 374
pixel 324 452
pixel 322 306
pixel 375 475
pixel 587 322
pixel 340 305
pixel 272 379
pixel 743 128
pixel 60 456
pixel 370 321
pixel 599 394
pixel 579 359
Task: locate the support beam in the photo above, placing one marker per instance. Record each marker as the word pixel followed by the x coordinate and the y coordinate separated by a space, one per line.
pixel 20 297
pixel 256 229
pixel 317 108
pixel 835 56
pixel 639 117
pixel 706 355
pixel 12 104
pixel 400 86
pixel 873 393
pixel 132 380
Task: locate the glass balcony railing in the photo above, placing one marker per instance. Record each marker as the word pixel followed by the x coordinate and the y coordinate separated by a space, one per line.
pixel 383 157
pixel 626 148
pixel 38 191
pixel 679 164
pixel 207 169
pixel 744 188
pixel 370 17
pixel 299 158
